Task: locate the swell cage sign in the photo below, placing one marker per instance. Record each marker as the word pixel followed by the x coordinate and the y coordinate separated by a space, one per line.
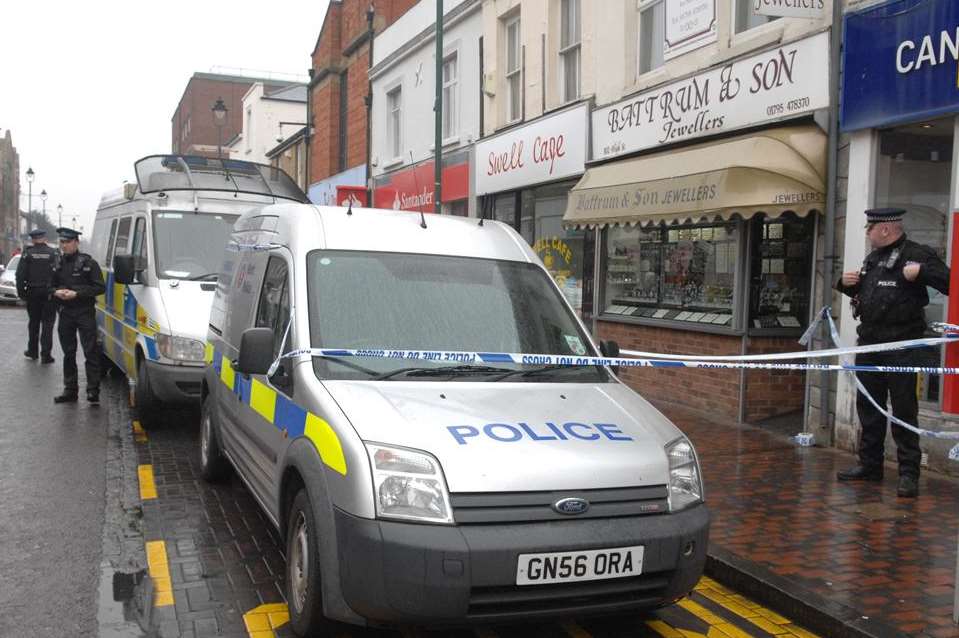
pixel 781 83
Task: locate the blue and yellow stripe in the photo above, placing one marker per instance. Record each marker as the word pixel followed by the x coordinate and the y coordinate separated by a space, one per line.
pixel 275 408
pixel 122 319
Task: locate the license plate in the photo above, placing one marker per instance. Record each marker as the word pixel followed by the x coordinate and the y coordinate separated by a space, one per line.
pixel 568 567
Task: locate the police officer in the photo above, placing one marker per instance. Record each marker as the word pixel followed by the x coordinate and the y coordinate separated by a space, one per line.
pixel 77 282
pixel 34 274
pixel 889 294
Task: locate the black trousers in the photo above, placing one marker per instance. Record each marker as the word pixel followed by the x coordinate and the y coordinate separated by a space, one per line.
pixel 42 312
pixel 80 321
pixel 900 388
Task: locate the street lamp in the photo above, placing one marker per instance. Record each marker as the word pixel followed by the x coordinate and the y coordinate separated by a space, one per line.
pixel 43 198
pixel 219 119
pixel 59 215
pixel 30 175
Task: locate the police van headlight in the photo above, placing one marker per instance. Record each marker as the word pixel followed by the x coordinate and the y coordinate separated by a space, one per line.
pixel 685 481
pixel 181 348
pixel 408 485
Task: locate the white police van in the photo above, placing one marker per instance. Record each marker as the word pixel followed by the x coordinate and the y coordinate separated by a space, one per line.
pixel 430 491
pixel 159 244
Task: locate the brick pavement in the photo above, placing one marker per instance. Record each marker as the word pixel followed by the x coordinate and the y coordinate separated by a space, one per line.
pixel 788 532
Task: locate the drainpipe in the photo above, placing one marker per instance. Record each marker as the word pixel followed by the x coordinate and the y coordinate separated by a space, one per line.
pixel 829 237
pixel 370 14
pixel 308 137
pixel 438 115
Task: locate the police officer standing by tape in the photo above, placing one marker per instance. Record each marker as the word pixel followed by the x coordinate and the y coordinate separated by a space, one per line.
pixel 76 284
pixel 34 274
pixel 888 296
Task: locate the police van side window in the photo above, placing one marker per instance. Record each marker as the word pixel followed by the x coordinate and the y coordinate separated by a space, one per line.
pixel 139 249
pixel 110 244
pixel 123 236
pixel 273 308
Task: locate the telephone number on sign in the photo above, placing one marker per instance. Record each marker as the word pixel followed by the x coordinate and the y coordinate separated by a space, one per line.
pixel 798 104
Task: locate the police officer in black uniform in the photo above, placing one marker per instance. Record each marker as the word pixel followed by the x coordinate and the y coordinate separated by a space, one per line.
pixel 77 282
pixel 34 274
pixel 889 294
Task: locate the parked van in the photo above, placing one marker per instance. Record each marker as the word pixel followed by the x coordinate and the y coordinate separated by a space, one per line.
pixel 435 492
pixel 159 243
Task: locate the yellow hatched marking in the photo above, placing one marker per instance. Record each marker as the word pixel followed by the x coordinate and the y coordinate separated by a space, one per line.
pixel 663 629
pixel 768 621
pixel 226 373
pixel 801 633
pixel 575 631
pixel 262 621
pixel 263 400
pixel 730 630
pixel 700 612
pixel 139 434
pixel 772 616
pixel 148 488
pixel 160 573
pixel 326 442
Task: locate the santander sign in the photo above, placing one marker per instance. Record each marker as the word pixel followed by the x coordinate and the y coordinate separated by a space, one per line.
pixel 549 148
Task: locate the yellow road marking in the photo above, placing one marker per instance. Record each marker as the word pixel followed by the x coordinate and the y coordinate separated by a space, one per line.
pixel 767 620
pixel 263 620
pixel 148 488
pixel 575 631
pixel 160 573
pixel 663 629
pixel 139 434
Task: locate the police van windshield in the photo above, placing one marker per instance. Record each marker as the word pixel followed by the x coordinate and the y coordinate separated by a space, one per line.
pixel 363 300
pixel 190 245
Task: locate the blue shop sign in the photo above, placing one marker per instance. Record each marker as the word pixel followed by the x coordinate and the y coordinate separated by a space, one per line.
pixel 900 63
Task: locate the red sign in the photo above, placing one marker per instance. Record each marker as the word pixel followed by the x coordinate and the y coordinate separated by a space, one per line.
pixel 412 189
pixel 347 195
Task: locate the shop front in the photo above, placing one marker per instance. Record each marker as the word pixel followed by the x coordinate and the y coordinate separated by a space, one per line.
pixel 709 248
pixel 899 110
pixel 524 177
pixel 411 188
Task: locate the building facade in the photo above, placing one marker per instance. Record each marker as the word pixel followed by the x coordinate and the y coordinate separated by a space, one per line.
pixel 704 185
pixel 403 80
pixel 339 91
pixel 193 129
pixel 290 156
pixel 268 119
pixel 9 197
pixel 900 118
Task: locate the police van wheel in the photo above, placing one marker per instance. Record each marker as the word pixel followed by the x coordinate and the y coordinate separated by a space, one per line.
pixel 303 590
pixel 213 466
pixel 145 402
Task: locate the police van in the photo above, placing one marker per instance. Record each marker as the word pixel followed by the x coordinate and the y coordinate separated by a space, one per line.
pixel 159 243
pixel 429 490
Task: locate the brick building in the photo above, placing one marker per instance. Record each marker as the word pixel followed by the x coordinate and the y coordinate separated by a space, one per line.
pixel 192 129
pixel 9 197
pixel 338 91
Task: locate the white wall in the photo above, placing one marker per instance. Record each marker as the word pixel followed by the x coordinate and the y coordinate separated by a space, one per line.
pixel 414 70
pixel 265 132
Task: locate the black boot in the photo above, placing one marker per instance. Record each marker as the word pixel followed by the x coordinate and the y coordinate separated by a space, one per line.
pixel 93 395
pixel 908 487
pixel 29 355
pixel 860 473
pixel 47 359
pixel 66 397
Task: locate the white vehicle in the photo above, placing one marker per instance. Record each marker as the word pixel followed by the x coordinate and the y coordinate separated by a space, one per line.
pixel 160 244
pixel 428 491
pixel 8 282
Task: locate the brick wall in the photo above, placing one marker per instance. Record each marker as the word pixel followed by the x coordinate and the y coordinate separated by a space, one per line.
pixel 716 392
pixel 196 106
pixel 345 22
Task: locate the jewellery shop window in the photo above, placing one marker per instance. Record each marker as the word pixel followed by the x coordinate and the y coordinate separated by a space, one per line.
pixel 780 273
pixel 685 274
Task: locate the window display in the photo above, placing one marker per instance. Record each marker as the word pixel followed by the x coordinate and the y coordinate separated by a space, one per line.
pixel 682 273
pixel 780 273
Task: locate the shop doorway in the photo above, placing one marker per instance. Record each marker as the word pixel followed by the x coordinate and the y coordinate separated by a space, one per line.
pixel 915 173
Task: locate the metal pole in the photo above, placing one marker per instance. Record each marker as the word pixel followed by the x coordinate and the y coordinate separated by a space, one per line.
pixel 438 108
pixel 370 16
pixel 829 235
pixel 29 204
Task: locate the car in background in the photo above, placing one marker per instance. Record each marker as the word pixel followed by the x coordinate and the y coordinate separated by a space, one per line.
pixel 8 282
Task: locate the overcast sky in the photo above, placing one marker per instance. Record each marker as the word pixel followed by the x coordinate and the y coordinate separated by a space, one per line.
pixel 87 88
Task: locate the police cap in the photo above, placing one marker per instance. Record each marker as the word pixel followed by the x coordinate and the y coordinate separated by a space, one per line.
pixel 37 232
pixel 879 215
pixel 68 233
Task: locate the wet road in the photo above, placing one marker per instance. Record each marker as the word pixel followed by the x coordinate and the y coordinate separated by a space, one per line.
pixel 52 481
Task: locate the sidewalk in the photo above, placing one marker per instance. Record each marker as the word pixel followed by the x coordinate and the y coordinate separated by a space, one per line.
pixel 843 559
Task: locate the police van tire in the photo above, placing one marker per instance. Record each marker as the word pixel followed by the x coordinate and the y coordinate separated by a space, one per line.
pixel 213 466
pixel 303 581
pixel 145 402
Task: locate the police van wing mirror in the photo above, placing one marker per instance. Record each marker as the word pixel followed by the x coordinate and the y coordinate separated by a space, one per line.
pixel 256 351
pixel 124 269
pixel 609 348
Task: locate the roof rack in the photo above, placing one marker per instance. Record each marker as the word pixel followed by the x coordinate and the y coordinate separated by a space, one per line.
pixel 160 173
